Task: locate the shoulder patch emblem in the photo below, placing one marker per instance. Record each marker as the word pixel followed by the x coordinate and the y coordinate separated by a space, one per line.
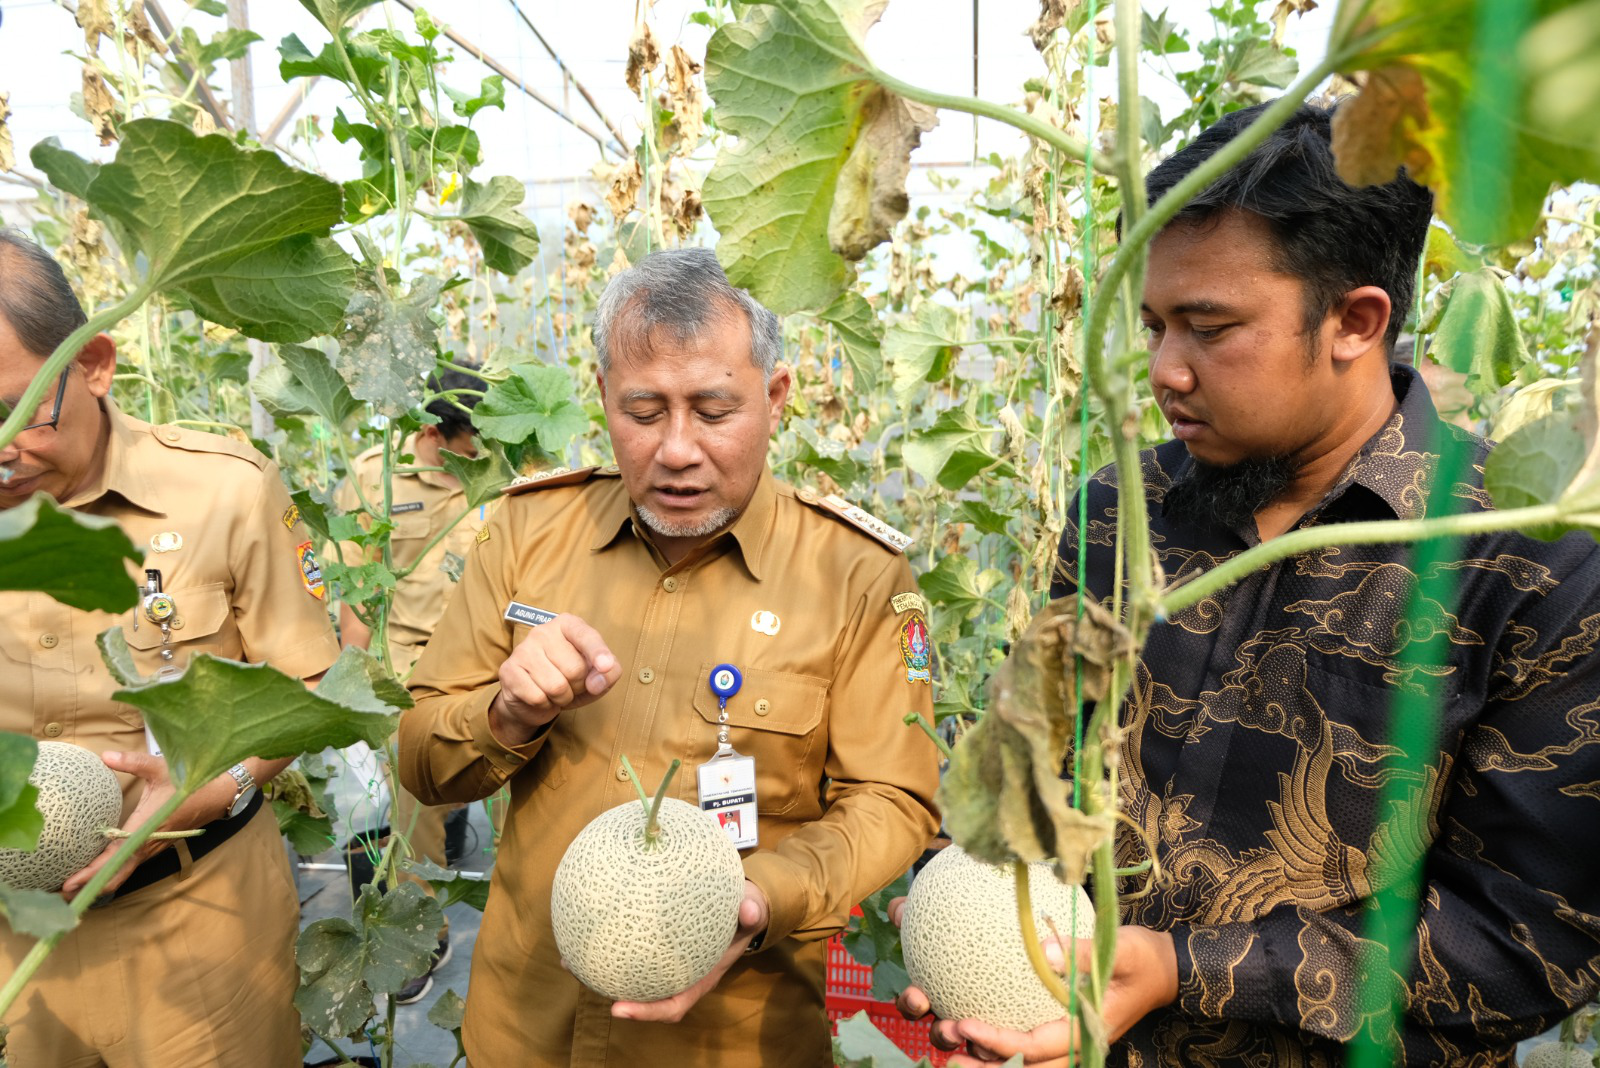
pixel 310 570
pixel 906 602
pixel 291 516
pixel 482 536
pixel 859 518
pixel 916 650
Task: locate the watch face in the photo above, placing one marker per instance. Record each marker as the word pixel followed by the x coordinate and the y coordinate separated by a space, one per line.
pixel 241 802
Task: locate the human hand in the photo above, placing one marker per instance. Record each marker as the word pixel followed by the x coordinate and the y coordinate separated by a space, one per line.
pixel 563 664
pixel 1144 977
pixel 753 913
pixel 196 811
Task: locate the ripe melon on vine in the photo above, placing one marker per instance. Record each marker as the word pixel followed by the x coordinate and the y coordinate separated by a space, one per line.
pixel 646 898
pixel 79 799
pixel 963 944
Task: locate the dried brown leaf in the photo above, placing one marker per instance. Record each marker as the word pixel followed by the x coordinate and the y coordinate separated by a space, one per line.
pixel 8 159
pixel 686 99
pixel 1052 15
pixel 582 214
pixel 580 253
pixel 95 18
pixel 1281 13
pixel 623 193
pixel 139 29
pixel 99 106
pixel 871 195
pixel 1373 134
pixel 643 57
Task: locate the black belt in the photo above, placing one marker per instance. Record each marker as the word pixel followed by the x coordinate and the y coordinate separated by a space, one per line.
pixel 169 862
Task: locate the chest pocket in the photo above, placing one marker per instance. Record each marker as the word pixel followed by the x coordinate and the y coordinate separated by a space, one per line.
pixel 198 628
pixel 776 717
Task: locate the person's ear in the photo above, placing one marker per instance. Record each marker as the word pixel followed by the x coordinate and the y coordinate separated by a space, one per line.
pixel 431 432
pixel 98 362
pixel 1360 322
pixel 778 385
pixel 600 379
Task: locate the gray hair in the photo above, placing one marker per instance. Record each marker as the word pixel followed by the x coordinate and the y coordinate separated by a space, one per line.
pixel 682 289
pixel 35 297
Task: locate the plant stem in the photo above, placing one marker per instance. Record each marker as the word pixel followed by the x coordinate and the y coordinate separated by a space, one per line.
pixel 86 897
pixel 652 829
pixel 644 798
pixel 1030 938
pixel 1382 530
pixel 915 718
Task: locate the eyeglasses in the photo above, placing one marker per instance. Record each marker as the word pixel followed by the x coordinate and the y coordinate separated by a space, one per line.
pixel 55 408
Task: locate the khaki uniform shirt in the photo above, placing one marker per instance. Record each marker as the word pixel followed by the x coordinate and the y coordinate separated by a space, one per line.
pixel 826 626
pixel 422 505
pixel 212 515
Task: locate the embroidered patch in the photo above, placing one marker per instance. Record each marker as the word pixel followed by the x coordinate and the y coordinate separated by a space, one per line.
pixel 291 516
pixel 906 602
pixel 916 649
pixel 765 623
pixel 310 570
pixel 408 506
pixel 483 536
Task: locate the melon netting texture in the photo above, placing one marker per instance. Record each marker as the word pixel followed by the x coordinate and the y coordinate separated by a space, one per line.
pixel 963 944
pixel 640 926
pixel 79 798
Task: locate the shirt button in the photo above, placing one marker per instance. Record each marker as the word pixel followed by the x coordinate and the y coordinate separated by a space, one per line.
pixel 763 706
pixel 670 583
pixel 646 675
pixel 807 494
pixel 49 641
pixel 53 730
pixel 176 623
pixel 622 773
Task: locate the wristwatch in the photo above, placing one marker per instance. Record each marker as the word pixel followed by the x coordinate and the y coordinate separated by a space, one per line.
pixel 246 790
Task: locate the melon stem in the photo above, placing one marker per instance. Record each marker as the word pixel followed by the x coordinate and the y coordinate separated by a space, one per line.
pixel 1030 939
pixel 652 809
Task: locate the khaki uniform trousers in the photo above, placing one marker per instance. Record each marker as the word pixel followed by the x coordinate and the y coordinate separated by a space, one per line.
pixel 195 970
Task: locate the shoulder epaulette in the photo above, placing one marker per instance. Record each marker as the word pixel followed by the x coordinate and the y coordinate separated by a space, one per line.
pixel 558 476
pixel 176 437
pixel 857 517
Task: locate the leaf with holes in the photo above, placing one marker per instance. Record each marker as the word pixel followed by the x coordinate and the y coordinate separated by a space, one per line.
pixel 346 963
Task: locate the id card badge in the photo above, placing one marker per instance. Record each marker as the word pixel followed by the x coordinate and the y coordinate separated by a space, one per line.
pixel 728 791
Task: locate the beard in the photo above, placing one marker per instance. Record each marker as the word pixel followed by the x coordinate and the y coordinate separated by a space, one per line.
pixel 699 529
pixel 1228 497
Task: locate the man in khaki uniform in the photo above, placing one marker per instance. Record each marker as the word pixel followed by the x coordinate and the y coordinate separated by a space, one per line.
pixel 586 629
pixel 192 961
pixel 433 531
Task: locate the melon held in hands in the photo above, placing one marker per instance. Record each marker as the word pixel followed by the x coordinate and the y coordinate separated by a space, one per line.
pixel 80 799
pixel 963 942
pixel 646 898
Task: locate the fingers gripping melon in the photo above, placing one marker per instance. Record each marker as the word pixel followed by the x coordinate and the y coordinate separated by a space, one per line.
pixel 79 798
pixel 963 944
pixel 638 923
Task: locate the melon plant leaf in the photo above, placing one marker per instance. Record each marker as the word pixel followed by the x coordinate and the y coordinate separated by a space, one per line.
pixel 481 477
pixel 980 515
pixel 921 350
pixel 80 560
pixel 221 711
pixel 296 61
pixel 509 239
pixel 20 819
pixel 345 963
pixel 957 583
pixel 448 1011
pixel 335 14
pixel 389 344
pixel 1477 333
pixel 66 170
pixel 314 508
pixel 929 452
pixel 36 913
pixel 239 233
pixel 874 941
pixel 537 403
pixel 858 1044
pixel 1424 106
pixel 790 82
pixel 304 382
pixel 860 335
pixel 1536 464
pixel 450 887
pixel 491 94
pixel 303 808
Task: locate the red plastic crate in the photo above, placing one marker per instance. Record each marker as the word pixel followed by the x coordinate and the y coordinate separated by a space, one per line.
pixel 849 991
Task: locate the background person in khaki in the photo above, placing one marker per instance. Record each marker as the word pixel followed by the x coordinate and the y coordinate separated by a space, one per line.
pixel 686 554
pixel 196 966
pixel 423 506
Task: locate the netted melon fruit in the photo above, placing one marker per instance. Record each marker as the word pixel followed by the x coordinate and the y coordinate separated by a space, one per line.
pixel 79 798
pixel 1558 1055
pixel 642 923
pixel 963 943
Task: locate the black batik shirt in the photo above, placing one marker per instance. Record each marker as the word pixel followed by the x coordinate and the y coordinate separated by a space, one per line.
pixel 1257 749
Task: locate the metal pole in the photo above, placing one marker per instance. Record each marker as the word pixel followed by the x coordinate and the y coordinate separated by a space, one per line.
pixel 573 78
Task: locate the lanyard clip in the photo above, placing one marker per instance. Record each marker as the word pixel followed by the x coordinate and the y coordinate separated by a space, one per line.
pixel 725 682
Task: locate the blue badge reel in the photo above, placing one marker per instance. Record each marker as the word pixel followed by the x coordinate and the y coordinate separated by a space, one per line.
pixel 727 781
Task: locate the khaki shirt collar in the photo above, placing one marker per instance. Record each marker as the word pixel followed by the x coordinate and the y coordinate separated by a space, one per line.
pixel 751 531
pixel 118 473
